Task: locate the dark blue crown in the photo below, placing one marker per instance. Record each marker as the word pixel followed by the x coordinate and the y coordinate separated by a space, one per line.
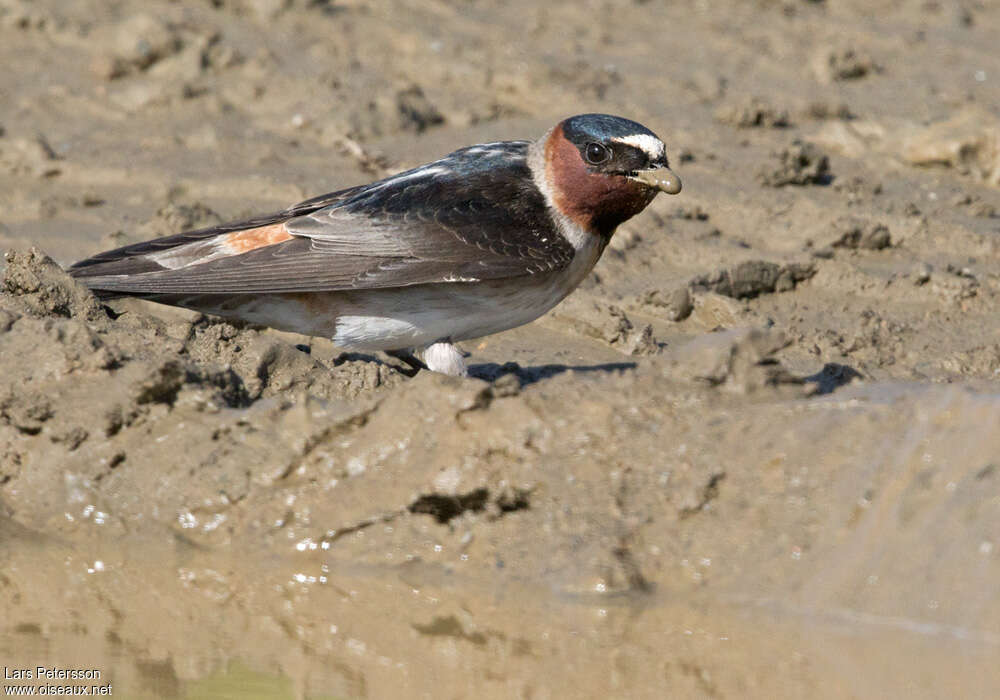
pixel 601 127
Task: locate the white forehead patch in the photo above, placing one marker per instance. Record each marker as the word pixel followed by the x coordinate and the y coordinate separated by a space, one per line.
pixel 650 145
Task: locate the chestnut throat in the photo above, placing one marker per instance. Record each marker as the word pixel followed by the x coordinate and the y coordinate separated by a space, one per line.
pixel 595 201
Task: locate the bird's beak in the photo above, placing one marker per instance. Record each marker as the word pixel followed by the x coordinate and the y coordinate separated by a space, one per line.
pixel 662 179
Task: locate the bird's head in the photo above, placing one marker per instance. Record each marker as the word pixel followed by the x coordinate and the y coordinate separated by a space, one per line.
pixel 602 170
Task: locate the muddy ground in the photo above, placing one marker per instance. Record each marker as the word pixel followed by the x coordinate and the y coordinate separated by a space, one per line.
pixel 755 455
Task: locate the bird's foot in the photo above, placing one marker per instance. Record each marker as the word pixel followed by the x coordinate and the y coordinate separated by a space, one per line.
pixel 409 358
pixel 446 359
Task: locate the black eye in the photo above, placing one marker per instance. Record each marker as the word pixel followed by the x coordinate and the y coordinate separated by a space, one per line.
pixel 596 153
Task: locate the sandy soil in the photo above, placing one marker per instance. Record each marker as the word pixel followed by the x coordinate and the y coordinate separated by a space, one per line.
pixel 755 455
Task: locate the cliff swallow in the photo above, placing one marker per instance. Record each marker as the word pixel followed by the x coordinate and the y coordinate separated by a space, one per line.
pixel 488 238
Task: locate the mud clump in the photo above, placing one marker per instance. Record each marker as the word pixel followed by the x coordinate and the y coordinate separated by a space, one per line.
pixel 753 278
pixel 753 113
pixel 620 331
pixel 416 112
pixel 857 233
pixel 610 324
pixel 676 305
pixel 407 109
pixel 801 163
pixel 34 285
pixel 834 65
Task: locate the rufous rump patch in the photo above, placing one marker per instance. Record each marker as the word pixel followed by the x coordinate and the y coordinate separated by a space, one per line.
pixel 240 242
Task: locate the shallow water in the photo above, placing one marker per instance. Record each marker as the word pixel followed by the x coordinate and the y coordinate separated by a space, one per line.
pixel 754 455
pixel 183 622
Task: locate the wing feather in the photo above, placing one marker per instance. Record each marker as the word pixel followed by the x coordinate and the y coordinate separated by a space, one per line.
pixel 473 215
pixel 134 258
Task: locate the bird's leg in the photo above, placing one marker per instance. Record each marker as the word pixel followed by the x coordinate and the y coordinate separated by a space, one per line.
pixel 445 358
pixel 408 357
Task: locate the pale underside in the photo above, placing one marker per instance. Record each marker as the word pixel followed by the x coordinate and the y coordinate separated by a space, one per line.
pixel 406 317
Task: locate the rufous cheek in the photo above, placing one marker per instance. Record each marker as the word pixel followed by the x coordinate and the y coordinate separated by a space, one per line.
pixel 594 201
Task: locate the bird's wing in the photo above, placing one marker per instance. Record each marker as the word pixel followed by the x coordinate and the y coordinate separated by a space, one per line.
pixel 138 257
pixel 473 215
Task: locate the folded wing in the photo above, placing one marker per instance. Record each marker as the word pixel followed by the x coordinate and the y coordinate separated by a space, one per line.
pixel 471 216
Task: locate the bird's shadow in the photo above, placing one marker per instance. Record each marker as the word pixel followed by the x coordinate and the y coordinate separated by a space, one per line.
pixel 833 376
pixel 829 379
pixel 491 371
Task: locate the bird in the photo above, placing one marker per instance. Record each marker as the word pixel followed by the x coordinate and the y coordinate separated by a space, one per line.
pixel 487 238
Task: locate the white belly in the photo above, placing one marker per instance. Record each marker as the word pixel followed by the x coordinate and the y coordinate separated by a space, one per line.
pixel 387 319
pixel 419 316
pixel 407 317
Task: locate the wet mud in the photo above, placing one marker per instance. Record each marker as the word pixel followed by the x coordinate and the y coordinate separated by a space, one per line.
pixel 754 455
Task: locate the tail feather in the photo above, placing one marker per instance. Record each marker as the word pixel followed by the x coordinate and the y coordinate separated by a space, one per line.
pixel 138 258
